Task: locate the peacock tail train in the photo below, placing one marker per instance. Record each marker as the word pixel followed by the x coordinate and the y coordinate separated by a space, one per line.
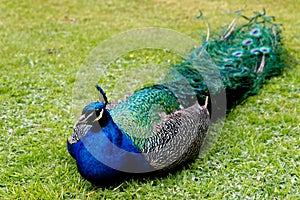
pixel 163 126
pixel 245 56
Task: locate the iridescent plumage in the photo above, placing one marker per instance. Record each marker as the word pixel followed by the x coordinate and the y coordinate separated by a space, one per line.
pixel 163 126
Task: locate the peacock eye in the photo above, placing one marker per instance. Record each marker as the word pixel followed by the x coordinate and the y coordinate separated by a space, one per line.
pixel 255 32
pixel 265 50
pixel 228 60
pixel 237 53
pixel 247 42
pixel 255 51
pixel 100 115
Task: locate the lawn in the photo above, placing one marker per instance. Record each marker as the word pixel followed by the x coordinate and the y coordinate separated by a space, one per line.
pixel 44 43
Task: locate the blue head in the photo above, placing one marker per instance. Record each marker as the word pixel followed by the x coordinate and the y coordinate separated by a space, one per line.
pixel 96 111
pixel 94 115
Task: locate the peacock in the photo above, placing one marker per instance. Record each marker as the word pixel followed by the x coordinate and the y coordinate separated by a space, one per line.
pixel 164 126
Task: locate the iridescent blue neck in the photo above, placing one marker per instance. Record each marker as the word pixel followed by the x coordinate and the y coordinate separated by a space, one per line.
pixel 105 152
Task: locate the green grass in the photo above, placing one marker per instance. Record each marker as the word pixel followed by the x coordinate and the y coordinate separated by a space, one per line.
pixel 43 44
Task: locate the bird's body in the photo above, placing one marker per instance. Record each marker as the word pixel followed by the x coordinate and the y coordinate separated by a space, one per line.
pixel 155 126
pixel 163 126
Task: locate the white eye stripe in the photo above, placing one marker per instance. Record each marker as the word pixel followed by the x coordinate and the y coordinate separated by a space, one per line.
pixel 100 115
pixel 83 119
pixel 90 115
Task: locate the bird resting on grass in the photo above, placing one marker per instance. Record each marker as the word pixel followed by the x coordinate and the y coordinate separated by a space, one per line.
pixel 163 126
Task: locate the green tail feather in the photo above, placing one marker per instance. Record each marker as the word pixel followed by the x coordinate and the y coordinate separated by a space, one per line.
pixel 243 57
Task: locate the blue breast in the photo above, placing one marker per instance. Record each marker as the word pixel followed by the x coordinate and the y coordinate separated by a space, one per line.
pixel 104 154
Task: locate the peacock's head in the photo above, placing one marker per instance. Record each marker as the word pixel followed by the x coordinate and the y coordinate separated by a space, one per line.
pixel 94 115
pixel 92 112
pixel 95 111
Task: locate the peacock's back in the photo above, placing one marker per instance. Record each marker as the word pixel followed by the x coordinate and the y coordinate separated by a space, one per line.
pixel 162 129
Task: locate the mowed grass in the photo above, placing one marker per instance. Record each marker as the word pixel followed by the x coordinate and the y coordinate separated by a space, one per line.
pixel 43 44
